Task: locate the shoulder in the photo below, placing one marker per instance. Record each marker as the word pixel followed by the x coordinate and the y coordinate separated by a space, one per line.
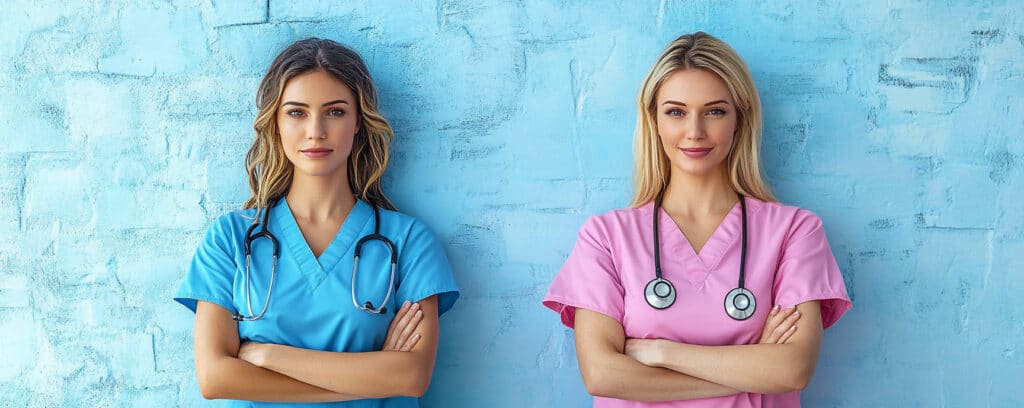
pixel 227 232
pixel 398 219
pixel 233 220
pixel 624 216
pixel 624 220
pixel 797 221
pixel 231 224
pixel 404 225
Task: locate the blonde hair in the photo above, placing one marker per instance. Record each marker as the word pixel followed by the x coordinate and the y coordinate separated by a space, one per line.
pixel 270 172
pixel 699 51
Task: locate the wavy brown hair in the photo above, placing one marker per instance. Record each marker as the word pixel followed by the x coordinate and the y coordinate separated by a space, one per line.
pixel 270 172
pixel 700 51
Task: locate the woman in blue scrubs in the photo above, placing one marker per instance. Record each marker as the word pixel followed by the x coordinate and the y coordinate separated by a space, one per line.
pixel 315 171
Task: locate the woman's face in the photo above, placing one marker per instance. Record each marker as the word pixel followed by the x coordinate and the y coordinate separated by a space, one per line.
pixel 317 120
pixel 696 119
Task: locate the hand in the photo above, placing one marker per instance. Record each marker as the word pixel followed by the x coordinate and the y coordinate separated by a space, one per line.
pixel 401 334
pixel 647 351
pixel 254 353
pixel 780 326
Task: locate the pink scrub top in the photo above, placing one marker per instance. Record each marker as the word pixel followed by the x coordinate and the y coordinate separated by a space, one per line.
pixel 788 262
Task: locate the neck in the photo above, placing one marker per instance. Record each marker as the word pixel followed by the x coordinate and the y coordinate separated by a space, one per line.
pixel 691 195
pixel 319 199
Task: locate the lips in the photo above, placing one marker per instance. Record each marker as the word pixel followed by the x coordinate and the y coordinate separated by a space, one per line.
pixel 316 152
pixel 696 152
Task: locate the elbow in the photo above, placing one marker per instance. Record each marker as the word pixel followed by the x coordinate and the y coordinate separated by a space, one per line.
pixel 597 383
pixel 209 392
pixel 416 382
pixel 796 380
pixel 209 387
pixel 800 380
pixel 210 379
pixel 416 389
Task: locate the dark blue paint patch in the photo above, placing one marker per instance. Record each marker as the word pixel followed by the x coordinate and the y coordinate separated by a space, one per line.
pixel 984 38
pixel 849 272
pixel 468 152
pixel 883 224
pixel 788 141
pixel 55 114
pixel 473 246
pixel 919 220
pixel 954 74
pixel 1002 164
pixel 926 166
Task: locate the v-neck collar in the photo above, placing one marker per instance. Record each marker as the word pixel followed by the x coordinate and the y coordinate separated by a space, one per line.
pixel 725 235
pixel 315 270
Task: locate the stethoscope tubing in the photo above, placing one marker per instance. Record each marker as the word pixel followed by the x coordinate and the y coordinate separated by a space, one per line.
pixel 376 236
pixel 659 293
pixel 247 244
pixel 250 237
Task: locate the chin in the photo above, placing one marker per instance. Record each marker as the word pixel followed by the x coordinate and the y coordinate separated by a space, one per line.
pixel 318 171
pixel 698 169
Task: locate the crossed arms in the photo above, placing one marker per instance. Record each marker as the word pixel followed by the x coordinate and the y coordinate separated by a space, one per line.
pixel 662 370
pixel 229 369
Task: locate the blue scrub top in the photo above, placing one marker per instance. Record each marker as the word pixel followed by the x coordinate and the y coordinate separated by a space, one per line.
pixel 311 305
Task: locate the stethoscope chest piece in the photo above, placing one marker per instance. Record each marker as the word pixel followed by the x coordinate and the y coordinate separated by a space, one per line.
pixel 660 293
pixel 740 304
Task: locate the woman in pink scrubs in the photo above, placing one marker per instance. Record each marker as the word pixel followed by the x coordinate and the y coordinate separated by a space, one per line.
pixel 696 145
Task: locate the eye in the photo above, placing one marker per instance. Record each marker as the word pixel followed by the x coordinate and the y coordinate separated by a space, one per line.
pixel 717 112
pixel 295 113
pixel 336 112
pixel 675 112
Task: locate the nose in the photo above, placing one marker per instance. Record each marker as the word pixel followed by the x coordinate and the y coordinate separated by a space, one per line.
pixel 695 128
pixel 316 128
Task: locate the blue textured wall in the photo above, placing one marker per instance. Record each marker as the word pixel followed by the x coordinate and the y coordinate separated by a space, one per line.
pixel 123 126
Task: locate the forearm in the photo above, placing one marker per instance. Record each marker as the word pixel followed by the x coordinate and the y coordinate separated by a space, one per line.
pixel 616 375
pixel 758 368
pixel 231 378
pixel 376 374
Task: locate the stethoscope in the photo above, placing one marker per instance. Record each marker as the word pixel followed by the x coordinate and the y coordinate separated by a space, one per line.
pixel 264 233
pixel 660 293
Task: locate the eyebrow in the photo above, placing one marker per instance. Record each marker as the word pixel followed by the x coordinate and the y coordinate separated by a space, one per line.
pixel 307 105
pixel 670 102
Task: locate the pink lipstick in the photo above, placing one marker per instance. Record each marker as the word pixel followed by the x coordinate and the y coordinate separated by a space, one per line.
pixel 696 152
pixel 316 152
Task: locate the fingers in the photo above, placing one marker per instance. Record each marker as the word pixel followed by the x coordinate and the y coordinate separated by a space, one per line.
pixel 786 328
pixel 390 343
pixel 789 333
pixel 402 332
pixel 409 344
pixel 774 317
pixel 409 327
pixel 778 323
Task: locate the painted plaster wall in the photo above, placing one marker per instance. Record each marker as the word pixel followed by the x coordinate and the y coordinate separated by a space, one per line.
pixel 123 126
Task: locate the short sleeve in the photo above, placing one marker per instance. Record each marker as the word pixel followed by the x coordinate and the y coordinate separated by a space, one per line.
pixel 424 271
pixel 211 275
pixel 808 271
pixel 588 279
